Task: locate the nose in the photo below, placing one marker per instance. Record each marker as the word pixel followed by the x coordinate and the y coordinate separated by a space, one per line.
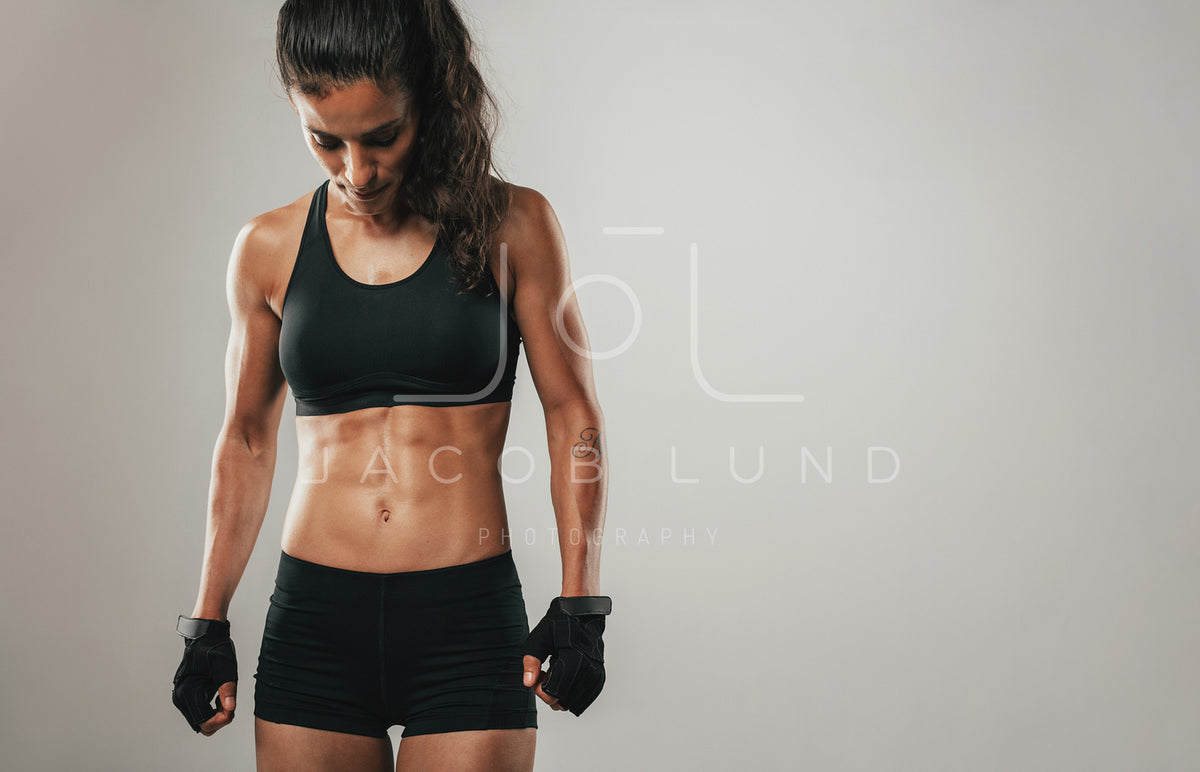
pixel 359 169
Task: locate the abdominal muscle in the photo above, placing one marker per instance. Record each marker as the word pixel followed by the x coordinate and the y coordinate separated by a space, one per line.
pixel 404 488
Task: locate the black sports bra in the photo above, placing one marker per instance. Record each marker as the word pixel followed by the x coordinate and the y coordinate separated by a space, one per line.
pixel 345 345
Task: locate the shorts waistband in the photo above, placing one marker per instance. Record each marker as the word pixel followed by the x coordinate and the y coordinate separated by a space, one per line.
pixel 503 557
pixel 495 572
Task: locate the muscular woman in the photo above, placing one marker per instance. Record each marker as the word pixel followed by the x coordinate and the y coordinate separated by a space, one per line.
pixel 394 300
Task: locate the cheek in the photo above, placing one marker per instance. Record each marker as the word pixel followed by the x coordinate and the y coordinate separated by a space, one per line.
pixel 406 146
pixel 324 158
pixel 399 157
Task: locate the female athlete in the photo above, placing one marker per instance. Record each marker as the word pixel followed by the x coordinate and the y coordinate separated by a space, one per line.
pixel 393 300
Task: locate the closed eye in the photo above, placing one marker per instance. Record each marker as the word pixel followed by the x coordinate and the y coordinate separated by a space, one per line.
pixel 386 142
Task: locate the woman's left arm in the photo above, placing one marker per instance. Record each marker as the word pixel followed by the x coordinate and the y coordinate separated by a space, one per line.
pixel 556 346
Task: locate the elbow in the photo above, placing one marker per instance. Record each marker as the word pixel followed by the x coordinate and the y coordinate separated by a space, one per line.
pixel 575 411
pixel 255 440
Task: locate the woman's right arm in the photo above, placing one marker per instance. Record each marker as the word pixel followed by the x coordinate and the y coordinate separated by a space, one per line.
pixel 244 458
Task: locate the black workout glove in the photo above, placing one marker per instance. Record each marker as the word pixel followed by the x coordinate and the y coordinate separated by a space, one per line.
pixel 208 662
pixel 571 631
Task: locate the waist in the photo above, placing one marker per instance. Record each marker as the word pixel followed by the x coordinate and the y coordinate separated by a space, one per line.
pixel 351 527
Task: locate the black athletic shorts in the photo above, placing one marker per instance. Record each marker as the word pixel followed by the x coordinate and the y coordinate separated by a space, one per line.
pixel 436 650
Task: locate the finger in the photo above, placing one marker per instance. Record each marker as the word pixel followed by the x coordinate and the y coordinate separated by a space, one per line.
pixel 533 666
pixel 228 695
pixel 565 674
pixel 193 701
pixel 550 700
pixel 224 715
pixel 210 727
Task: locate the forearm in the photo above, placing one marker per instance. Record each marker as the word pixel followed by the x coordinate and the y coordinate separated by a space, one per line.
pixel 578 491
pixel 237 505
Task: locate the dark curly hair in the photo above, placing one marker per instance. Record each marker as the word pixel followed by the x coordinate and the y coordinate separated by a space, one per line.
pixel 423 48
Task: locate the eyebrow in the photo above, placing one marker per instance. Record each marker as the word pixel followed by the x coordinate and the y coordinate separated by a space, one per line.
pixel 376 130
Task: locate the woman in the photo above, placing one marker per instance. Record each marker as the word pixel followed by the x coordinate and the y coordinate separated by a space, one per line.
pixel 393 299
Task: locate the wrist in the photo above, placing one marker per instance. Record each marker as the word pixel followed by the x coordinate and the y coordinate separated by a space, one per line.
pixel 209 612
pixel 578 592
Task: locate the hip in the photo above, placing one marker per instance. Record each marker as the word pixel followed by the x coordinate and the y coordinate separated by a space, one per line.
pixel 475 606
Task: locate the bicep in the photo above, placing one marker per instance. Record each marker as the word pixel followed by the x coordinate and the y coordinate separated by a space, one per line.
pixel 556 341
pixel 255 388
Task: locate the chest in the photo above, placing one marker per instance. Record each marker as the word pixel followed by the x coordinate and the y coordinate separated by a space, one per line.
pixel 336 332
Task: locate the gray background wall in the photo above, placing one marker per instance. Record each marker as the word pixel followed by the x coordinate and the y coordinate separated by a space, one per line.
pixel 964 231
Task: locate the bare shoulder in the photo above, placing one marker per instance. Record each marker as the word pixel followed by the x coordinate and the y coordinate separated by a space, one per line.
pixel 264 254
pixel 531 229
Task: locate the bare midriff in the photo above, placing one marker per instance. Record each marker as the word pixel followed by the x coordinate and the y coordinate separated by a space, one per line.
pixel 403 488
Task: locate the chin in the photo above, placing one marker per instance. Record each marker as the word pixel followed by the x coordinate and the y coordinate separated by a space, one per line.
pixel 383 197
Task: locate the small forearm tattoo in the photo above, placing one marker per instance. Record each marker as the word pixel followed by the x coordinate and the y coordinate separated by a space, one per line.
pixel 589 444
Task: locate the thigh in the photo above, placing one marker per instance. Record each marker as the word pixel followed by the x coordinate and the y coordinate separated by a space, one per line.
pixel 493 750
pixel 288 748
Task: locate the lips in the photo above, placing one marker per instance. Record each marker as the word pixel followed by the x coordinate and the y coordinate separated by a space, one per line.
pixel 366 196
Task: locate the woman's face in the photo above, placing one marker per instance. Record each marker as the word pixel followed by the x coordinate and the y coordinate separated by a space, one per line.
pixel 365 140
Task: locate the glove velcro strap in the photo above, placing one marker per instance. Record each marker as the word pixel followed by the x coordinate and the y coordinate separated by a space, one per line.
pixel 584 605
pixel 190 627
